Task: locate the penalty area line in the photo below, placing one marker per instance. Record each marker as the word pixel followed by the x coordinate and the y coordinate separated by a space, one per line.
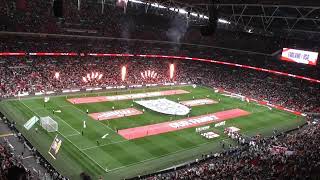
pixel 104 169
pixel 53 115
pixel 108 144
pixel 70 135
pixel 97 121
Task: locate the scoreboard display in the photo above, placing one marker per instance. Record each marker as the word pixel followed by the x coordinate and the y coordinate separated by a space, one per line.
pixel 299 56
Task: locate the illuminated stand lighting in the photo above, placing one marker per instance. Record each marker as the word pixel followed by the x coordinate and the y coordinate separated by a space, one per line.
pixel 92 77
pixel 148 74
pixel 171 71
pixel 178 10
pixel 57 75
pixel 123 73
pixel 123 4
pixel 176 57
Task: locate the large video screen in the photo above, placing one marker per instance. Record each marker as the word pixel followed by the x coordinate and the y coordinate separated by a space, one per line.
pixel 299 56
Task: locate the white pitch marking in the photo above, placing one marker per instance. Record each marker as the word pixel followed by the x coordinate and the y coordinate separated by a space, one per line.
pixel 69 140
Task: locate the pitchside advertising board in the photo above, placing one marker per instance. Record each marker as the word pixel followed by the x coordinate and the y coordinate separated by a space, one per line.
pixel 299 56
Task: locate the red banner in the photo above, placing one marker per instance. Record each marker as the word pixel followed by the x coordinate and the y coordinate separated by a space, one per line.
pixel 53 54
pixel 110 55
pixel 12 53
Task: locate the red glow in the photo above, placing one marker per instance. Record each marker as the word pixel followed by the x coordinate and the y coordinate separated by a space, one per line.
pixel 110 55
pixel 53 54
pixel 13 53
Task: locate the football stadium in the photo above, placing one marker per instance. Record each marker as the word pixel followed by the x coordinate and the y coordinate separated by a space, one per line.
pixel 129 89
pixel 121 136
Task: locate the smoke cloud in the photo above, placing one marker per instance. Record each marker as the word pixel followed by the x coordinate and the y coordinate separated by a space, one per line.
pixel 177 30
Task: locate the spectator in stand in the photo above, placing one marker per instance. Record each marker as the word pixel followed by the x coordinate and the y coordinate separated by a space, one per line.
pixel 298 161
pixel 38 74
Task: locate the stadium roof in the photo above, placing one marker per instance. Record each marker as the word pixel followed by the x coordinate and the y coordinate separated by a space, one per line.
pixel 266 2
pixel 282 17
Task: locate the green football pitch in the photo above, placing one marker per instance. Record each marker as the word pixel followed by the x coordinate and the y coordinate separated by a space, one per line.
pixel 114 157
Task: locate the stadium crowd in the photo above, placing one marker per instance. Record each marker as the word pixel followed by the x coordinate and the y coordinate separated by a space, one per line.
pixel 13 166
pixel 284 156
pixel 38 74
pixel 38 43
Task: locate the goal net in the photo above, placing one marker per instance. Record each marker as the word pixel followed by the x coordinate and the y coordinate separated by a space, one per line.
pixel 48 124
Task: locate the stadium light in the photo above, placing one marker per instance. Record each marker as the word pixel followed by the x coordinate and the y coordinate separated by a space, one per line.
pixel 182 11
pixel 57 75
pixel 224 21
pixel 100 76
pixel 92 76
pixel 84 79
pixel 136 1
pixel 123 73
pixel 154 75
pixel 158 5
pixel 162 7
pixel 194 14
pixel 171 71
pixel 149 74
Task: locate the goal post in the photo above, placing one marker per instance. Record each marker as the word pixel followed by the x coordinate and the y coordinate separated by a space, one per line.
pixel 48 124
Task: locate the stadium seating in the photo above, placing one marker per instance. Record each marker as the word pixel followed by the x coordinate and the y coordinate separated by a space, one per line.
pixel 258 161
pixel 34 74
pixel 26 16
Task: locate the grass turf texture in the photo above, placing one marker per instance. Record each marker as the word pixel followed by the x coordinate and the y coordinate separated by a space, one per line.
pixel 117 158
